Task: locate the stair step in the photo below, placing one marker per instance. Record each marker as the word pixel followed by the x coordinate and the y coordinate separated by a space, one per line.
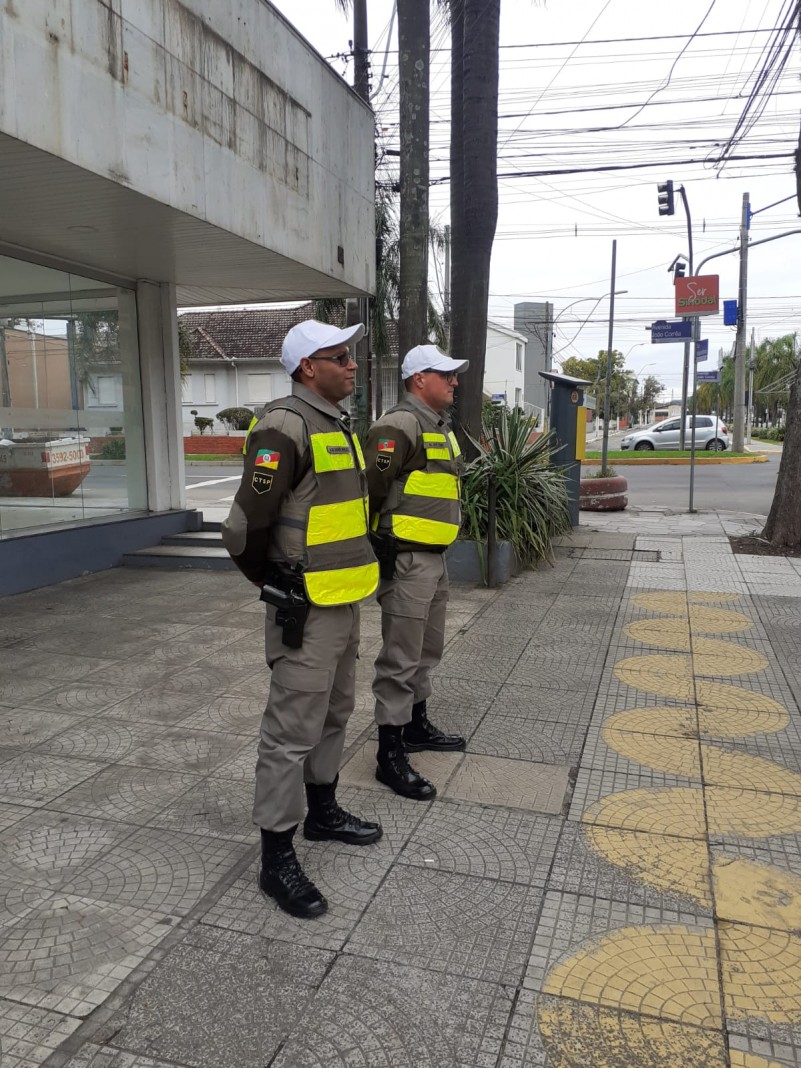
pixel 209 558
pixel 199 538
pixel 211 524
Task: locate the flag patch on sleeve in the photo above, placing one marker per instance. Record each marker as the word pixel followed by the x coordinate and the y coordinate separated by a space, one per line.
pixel 386 445
pixel 268 458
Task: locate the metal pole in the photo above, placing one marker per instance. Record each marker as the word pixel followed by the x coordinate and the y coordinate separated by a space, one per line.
pixel 491 528
pixel 696 336
pixel 685 372
pixel 605 449
pixel 361 50
pixel 750 414
pixel 739 344
pixel 446 290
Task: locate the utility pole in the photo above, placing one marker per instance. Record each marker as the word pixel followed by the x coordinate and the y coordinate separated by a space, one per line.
pixel 738 436
pixel 605 446
pixel 358 310
pixel 751 367
pixel 446 290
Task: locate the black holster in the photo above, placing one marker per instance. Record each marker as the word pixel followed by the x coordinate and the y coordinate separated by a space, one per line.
pixel 385 548
pixel 284 590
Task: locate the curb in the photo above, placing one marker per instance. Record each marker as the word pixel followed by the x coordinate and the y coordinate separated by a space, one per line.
pixel 680 461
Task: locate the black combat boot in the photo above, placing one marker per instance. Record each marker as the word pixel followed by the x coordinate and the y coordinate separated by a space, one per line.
pixel 283 878
pixel 326 821
pixel 422 734
pixel 394 769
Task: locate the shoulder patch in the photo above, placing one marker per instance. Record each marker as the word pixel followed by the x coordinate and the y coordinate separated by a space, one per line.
pixel 386 445
pixel 383 460
pixel 261 483
pixel 268 458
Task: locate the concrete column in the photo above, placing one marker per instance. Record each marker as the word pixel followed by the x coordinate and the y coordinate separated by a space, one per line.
pixel 161 395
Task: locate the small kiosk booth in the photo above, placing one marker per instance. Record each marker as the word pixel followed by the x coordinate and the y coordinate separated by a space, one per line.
pixel 568 420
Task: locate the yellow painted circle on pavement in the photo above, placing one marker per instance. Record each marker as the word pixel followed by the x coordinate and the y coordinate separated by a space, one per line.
pixel 677 756
pixel 674 865
pixel 660 719
pixel 749 814
pixel 722 767
pixel 661 633
pixel 758 894
pixel 723 696
pixel 706 620
pixel 662 673
pixel 666 972
pixel 677 811
pixel 577 1035
pixel 713 656
pixel 761 972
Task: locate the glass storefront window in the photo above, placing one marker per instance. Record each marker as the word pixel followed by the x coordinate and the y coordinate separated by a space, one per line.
pixel 71 430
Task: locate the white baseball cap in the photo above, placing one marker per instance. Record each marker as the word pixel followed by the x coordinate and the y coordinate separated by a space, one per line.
pixel 306 338
pixel 430 358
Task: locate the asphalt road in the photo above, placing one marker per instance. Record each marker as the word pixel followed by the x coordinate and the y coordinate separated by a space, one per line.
pixel 725 487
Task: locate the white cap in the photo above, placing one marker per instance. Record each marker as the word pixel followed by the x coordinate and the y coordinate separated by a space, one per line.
pixel 306 338
pixel 430 358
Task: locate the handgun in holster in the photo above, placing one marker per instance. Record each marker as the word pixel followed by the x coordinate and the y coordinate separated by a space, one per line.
pixel 286 593
pixel 385 548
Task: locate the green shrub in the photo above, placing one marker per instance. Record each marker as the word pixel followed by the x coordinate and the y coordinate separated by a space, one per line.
pixel 768 433
pixel 113 450
pixel 235 418
pixel 203 423
pixel 531 493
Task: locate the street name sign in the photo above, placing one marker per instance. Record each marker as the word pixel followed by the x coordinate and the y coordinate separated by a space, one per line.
pixel 664 333
pixel 708 376
pixel 702 351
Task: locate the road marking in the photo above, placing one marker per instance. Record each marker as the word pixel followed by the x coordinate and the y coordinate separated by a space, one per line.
pixel 214 482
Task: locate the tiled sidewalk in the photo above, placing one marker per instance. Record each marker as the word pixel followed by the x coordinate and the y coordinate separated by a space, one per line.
pixel 608 876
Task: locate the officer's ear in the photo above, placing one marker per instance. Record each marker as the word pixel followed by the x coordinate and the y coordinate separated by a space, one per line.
pixel 305 368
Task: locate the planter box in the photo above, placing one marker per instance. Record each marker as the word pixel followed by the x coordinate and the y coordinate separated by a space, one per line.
pixel 603 494
pixel 464 564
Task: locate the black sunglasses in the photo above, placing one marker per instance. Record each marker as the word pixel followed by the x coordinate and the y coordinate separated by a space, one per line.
pixel 343 359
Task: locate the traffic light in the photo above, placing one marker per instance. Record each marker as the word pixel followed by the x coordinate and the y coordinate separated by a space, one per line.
pixel 679 271
pixel 666 205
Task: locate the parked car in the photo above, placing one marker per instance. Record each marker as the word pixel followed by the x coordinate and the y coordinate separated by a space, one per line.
pixel 710 433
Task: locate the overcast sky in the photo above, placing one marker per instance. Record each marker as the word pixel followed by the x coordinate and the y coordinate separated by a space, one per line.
pixel 569 68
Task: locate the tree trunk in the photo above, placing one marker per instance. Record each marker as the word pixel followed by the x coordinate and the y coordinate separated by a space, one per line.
pixel 784 522
pixel 475 148
pixel 413 64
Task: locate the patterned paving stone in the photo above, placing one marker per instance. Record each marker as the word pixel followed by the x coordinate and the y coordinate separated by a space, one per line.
pixel 177 1015
pixel 28 1036
pixel 11 814
pixel 101 739
pixel 573 706
pixel 220 679
pixel 594 787
pixel 347 878
pixel 554 1032
pixel 47 849
pixel 634 868
pixel 35 779
pixel 377 1014
pixel 480 641
pixel 84 700
pixel 129 794
pixel 232 715
pixel 69 953
pixel 554 673
pixel 196 752
pixel 507 846
pixel 157 870
pixel 512 783
pixel 134 674
pixel 19 689
pixel 92 1056
pixel 633 958
pixel 360 769
pixel 761 989
pixel 756 1050
pixel 24 728
pixel 540 741
pixel 398 816
pixel 154 706
pixel 449 922
pixel 460 691
pixel 214 806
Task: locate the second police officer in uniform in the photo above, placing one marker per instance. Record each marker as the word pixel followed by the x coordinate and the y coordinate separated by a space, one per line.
pixel 298 529
pixel 413 465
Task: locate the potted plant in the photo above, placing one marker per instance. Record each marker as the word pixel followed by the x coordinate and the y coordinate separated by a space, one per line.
pixel 603 491
pixel 531 500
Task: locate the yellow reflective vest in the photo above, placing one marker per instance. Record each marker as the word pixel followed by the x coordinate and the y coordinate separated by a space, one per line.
pixel 339 563
pixel 427 510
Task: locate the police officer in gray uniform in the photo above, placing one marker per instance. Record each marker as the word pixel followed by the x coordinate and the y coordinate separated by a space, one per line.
pixel 298 529
pixel 413 466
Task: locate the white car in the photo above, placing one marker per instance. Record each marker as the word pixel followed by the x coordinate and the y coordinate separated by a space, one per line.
pixel 710 434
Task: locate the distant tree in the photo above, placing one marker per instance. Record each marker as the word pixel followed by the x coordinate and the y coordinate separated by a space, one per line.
pixel 94 343
pixel 783 527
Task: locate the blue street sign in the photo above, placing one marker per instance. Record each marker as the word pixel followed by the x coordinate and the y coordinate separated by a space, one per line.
pixel 708 376
pixel 664 333
pixel 730 313
pixel 702 351
pixel 498 398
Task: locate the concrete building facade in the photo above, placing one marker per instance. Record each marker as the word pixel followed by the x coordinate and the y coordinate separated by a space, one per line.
pixel 153 154
pixel 534 319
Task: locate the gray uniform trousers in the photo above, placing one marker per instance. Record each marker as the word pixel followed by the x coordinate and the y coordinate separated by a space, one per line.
pixel 413 607
pixel 312 694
